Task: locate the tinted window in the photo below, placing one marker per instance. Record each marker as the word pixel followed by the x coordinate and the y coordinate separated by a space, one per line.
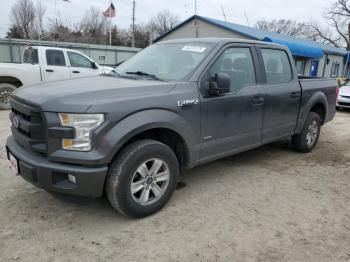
pixel 77 60
pixel 55 58
pixel 30 56
pixel 238 64
pixel 277 66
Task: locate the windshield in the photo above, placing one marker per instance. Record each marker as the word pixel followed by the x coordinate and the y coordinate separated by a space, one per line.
pixel 166 61
pixel 30 56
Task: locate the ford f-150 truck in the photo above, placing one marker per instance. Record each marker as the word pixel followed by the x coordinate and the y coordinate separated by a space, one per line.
pixel 45 64
pixel 173 106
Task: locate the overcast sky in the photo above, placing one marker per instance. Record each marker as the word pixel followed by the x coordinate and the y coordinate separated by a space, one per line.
pixel 255 9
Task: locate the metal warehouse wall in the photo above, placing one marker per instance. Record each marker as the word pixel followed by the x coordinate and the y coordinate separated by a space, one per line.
pixel 104 55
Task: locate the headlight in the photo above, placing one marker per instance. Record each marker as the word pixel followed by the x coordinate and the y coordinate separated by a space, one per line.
pixel 84 125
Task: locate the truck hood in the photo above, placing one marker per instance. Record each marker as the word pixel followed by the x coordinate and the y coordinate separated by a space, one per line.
pixel 78 95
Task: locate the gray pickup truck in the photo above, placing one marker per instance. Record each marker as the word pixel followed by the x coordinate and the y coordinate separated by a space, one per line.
pixel 173 106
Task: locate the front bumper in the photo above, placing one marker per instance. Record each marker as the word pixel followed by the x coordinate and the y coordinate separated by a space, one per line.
pixel 343 102
pixel 39 171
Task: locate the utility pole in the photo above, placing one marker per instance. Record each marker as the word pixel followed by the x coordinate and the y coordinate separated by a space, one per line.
pixel 133 24
pixel 195 19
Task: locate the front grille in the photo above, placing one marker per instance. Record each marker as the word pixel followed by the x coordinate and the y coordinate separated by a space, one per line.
pixel 343 104
pixel 348 97
pixel 28 126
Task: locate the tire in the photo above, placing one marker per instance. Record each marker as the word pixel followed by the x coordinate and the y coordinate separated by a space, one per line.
pixel 6 91
pixel 138 166
pixel 306 141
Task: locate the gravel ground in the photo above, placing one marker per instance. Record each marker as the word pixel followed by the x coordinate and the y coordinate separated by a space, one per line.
pixel 269 204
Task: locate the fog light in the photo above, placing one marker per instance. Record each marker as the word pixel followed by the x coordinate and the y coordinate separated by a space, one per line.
pixel 72 178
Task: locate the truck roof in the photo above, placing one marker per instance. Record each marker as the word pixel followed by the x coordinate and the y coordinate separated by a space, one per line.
pixel 219 40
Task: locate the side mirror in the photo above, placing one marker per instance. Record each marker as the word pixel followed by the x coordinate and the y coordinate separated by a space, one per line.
pixel 93 65
pixel 221 84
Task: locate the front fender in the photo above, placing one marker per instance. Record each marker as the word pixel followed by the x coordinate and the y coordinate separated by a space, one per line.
pixel 141 121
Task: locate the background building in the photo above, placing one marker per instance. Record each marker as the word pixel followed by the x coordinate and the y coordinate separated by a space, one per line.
pixel 311 58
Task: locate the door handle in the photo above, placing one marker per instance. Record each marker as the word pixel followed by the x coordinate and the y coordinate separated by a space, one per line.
pixel 76 72
pixel 49 70
pixel 295 95
pixel 258 100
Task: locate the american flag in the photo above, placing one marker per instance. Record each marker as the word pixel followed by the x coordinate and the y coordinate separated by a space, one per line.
pixel 110 12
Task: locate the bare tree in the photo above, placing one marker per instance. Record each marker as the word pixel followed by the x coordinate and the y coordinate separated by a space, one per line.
pixel 120 37
pixel 94 26
pixel 23 16
pixel 282 26
pixel 40 10
pixel 338 17
pixel 161 23
pixel 314 31
pixel 27 19
pixel 142 36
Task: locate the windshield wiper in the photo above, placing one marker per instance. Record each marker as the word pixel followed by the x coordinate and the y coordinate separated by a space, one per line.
pixel 142 73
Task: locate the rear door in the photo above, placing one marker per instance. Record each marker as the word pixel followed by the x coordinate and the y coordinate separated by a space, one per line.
pixel 55 65
pixel 80 65
pixel 232 122
pixel 283 93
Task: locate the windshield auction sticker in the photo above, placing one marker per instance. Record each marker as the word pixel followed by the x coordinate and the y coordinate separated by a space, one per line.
pixel 197 49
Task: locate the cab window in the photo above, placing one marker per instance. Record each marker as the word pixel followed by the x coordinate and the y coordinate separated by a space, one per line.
pixel 55 58
pixel 30 56
pixel 78 60
pixel 277 66
pixel 238 64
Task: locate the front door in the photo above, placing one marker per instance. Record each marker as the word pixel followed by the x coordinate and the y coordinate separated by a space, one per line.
pixel 314 67
pixel 232 122
pixel 282 95
pixel 81 66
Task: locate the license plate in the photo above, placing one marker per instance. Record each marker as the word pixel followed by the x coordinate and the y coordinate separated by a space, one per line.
pixel 13 163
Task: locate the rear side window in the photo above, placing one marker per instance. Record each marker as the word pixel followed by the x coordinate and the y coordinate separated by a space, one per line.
pixel 30 56
pixel 55 58
pixel 238 64
pixel 277 66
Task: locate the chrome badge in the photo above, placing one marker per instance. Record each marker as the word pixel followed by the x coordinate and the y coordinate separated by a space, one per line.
pixel 15 121
pixel 187 102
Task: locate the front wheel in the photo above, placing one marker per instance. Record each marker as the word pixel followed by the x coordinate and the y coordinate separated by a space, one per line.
pixel 142 178
pixel 6 91
pixel 308 138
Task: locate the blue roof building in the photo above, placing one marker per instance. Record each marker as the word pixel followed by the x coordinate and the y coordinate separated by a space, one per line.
pixel 311 58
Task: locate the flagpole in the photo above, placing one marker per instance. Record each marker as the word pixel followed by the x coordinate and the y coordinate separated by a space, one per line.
pixel 110 25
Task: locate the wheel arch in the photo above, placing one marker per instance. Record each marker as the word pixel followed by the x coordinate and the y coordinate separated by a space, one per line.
pixel 167 130
pixel 11 80
pixel 317 103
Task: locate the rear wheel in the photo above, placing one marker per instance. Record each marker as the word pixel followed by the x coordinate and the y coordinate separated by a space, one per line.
pixel 308 138
pixel 6 91
pixel 142 178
